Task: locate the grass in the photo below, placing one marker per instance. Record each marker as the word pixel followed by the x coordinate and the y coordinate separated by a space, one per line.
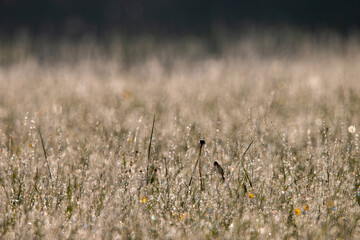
pixel 273 109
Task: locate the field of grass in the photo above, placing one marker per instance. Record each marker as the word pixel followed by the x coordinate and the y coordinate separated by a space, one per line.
pixel 294 96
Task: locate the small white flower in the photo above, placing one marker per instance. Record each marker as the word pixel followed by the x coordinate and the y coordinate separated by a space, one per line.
pixel 352 129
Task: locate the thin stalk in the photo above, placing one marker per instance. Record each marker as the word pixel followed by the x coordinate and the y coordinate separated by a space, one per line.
pixel 285 145
pixel 242 157
pixel 167 183
pixel 45 154
pixel 149 151
pixel 202 142
pixel 242 164
pixel 201 180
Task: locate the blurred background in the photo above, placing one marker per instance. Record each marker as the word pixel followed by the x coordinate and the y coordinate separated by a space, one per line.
pixel 172 17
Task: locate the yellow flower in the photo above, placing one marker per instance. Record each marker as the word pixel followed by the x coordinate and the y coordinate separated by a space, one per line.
pixel 297 211
pixel 30 145
pixel 127 94
pixel 182 216
pixel 306 208
pixel 330 203
pixel 251 195
pixel 144 200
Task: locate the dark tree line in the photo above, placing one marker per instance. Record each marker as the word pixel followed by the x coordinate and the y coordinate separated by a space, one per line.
pixel 175 16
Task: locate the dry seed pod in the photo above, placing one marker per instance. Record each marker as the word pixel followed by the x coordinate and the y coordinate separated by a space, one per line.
pixel 219 169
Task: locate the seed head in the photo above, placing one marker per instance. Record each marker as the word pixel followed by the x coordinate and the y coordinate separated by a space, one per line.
pixel 202 142
pixel 219 169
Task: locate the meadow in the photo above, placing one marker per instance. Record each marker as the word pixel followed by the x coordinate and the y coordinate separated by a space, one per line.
pixel 280 112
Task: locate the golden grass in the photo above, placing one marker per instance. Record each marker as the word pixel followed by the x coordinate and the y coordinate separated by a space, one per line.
pixel 295 95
